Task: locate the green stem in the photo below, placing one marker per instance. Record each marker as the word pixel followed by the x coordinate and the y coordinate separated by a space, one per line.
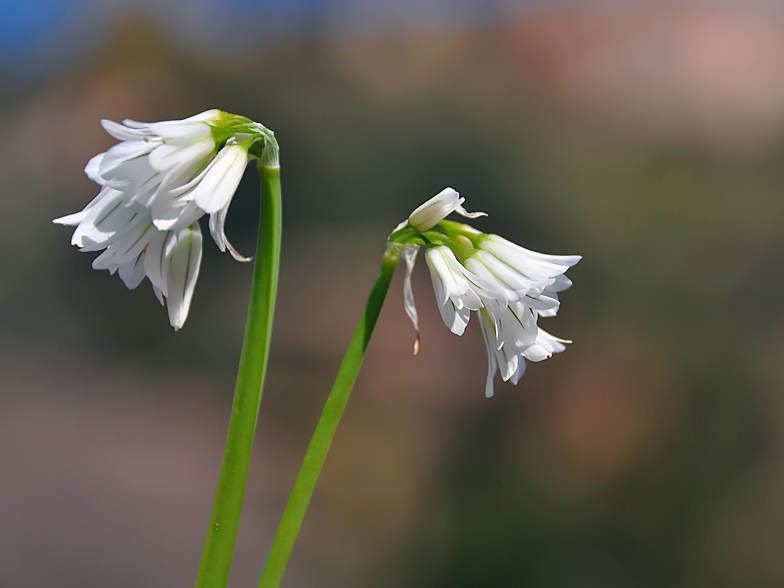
pixel 328 423
pixel 222 533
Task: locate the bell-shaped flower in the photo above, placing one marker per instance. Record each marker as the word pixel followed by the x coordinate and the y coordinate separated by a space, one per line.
pixel 155 186
pixel 509 286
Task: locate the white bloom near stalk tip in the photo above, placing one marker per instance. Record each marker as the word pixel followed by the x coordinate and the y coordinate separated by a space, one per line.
pixel 155 186
pixel 438 208
pixel 509 287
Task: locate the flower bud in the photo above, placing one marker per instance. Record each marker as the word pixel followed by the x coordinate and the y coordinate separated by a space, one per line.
pixel 438 208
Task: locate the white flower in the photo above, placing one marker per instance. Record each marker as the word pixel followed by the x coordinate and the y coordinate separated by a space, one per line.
pixel 156 184
pixel 509 286
pixel 438 208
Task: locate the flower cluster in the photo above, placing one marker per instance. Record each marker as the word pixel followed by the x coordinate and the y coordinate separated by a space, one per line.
pixel 155 186
pixel 508 286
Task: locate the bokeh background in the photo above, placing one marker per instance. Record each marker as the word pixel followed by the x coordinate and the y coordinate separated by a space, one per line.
pixel 646 136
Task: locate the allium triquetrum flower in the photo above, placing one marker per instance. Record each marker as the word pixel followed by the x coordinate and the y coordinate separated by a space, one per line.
pixel 508 286
pixel 155 186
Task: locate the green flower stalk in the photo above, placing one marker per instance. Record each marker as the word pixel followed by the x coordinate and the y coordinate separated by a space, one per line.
pixel 327 425
pixel 222 531
pixel 510 287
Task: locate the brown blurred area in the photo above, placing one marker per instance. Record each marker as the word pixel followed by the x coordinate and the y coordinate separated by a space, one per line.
pixel 648 138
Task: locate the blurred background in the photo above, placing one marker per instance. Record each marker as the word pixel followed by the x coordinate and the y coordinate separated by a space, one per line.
pixel 646 136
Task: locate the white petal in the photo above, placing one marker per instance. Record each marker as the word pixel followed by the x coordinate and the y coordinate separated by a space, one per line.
pixel 442 260
pixel 501 292
pixel 490 343
pixel 169 155
pixel 128 175
pixel 128 245
pixel 121 153
pixel 217 220
pixel 181 130
pixel 561 283
pixel 545 346
pixel 506 277
pixel 132 273
pixel 218 185
pixel 458 291
pixel 71 220
pixel 507 363
pixel 439 207
pixel 517 328
pixel 463 212
pixel 183 253
pixel 206 116
pixel 76 218
pixel 123 133
pixel 460 320
pixel 155 262
pixel 439 273
pixel 447 291
pixel 468 284
pixel 173 188
pixel 107 225
pixel 449 314
pixel 174 214
pixel 158 294
pixel 91 169
pixel 537 353
pixel 541 302
pixel 536 266
pixel 519 371
pixel 435 210
pixel 134 124
pixel 143 193
pixel 101 205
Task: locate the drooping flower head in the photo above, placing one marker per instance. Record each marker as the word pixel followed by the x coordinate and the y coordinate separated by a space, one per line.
pixel 508 286
pixel 155 186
